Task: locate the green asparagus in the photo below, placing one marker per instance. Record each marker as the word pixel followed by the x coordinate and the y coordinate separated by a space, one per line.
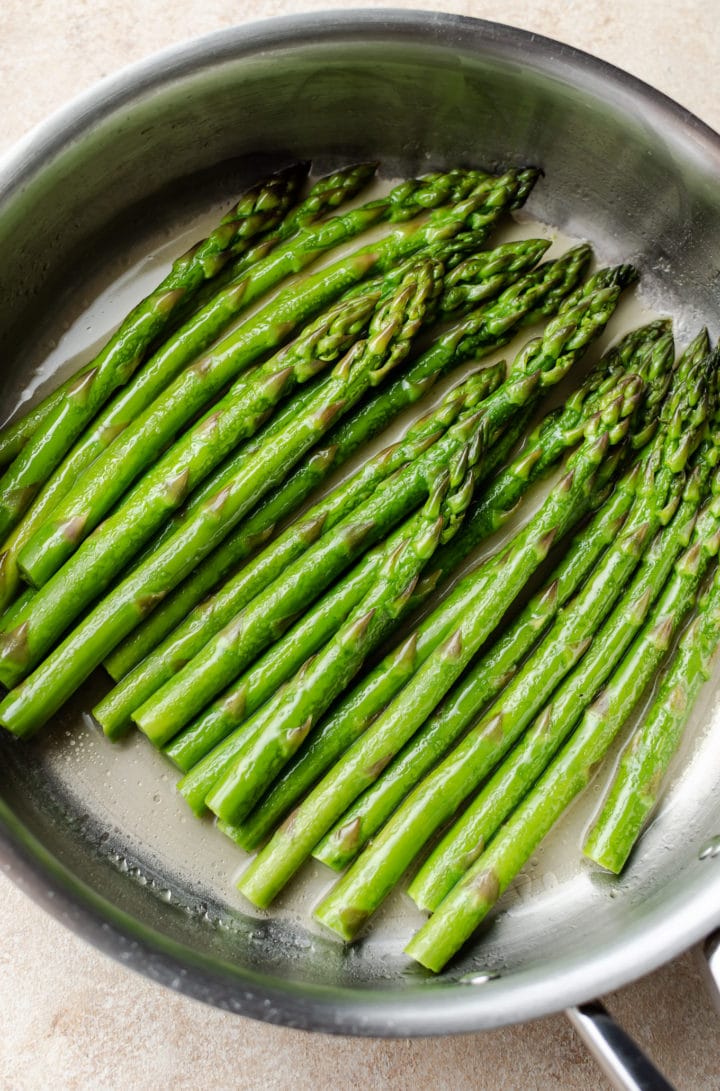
pixel 235 417
pixel 463 622
pixel 464 908
pixel 115 710
pixel 436 798
pixel 150 431
pixel 392 328
pixel 538 293
pixel 515 776
pixel 449 861
pixel 326 194
pixel 85 504
pixel 224 655
pixel 647 757
pixel 255 216
pixel 648 351
pixel 491 674
pixel 261 208
pixel 278 728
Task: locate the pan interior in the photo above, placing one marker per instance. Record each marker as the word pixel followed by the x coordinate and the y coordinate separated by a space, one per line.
pixel 92 222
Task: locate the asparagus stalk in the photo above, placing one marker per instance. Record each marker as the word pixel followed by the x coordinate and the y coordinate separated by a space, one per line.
pixel 493 671
pixel 455 853
pixel 225 716
pixel 515 776
pixel 219 660
pixel 84 506
pixel 194 337
pixel 115 710
pixel 326 194
pixel 223 656
pixel 470 900
pixel 645 761
pixel 484 681
pixel 278 728
pixel 15 434
pixel 436 798
pixel 538 293
pixel 379 868
pixel 498 265
pixel 259 211
pixel 463 621
pixel 262 207
pixel 645 350
pixel 393 326
pixel 259 683
pixel 149 432
pixel 237 416
pixel 200 778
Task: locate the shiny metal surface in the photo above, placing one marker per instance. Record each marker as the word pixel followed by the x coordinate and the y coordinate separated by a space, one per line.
pixel 625 168
pixel 626 1067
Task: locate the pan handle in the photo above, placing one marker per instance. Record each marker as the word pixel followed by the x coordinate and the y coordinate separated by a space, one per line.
pixel 620 1058
pixel 711 951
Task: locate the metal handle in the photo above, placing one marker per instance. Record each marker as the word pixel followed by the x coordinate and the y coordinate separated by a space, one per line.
pixel 711 951
pixel 620 1058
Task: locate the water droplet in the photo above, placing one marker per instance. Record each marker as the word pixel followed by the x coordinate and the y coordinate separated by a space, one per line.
pixel 166 895
pixel 477 978
pixel 711 850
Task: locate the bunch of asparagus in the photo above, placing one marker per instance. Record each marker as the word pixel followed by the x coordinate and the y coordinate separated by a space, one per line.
pixel 319 674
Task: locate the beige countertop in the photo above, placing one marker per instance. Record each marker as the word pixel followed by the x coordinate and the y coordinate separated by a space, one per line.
pixel 70 1017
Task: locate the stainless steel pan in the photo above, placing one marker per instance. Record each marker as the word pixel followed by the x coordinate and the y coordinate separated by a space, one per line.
pixel 626 168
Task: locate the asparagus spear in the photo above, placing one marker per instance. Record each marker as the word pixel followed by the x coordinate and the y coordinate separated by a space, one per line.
pixel 455 853
pixel 244 635
pixel 83 507
pixel 644 763
pixel 260 208
pixel 199 780
pixel 259 211
pixel 326 194
pixel 238 415
pixel 464 621
pixel 377 870
pixel 149 432
pixel 115 710
pixel 470 900
pixel 206 622
pixel 646 350
pixel 503 263
pixel 494 670
pixel 223 656
pixel 260 682
pixel 603 538
pixel 224 716
pixel 436 798
pixel 538 293
pixel 15 434
pixel 195 336
pixel 279 727
pixel 391 331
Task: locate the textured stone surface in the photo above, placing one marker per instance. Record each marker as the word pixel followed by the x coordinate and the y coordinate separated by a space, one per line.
pixel 73 1019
